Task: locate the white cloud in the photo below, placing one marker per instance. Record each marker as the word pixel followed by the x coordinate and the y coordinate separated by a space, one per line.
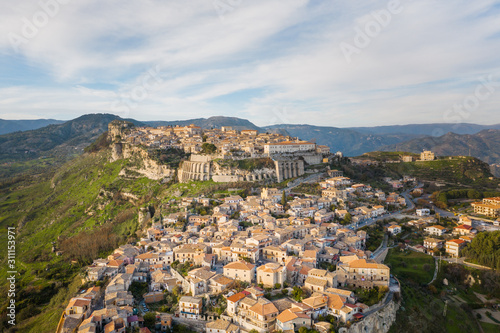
pixel 275 55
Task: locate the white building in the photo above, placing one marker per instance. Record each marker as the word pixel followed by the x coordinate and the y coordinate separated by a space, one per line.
pixel 423 212
pixel 289 147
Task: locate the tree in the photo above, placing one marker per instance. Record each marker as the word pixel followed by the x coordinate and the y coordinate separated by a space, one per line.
pixel 283 199
pixel 150 320
pixel 176 291
pixel 277 286
pixel 297 293
pixel 208 148
pixel 347 219
pixel 485 249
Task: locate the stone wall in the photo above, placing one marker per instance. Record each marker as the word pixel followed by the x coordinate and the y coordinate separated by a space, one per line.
pixel 193 170
pixel 310 158
pixel 288 168
pixel 377 322
pixel 225 178
pixel 184 283
pixel 203 167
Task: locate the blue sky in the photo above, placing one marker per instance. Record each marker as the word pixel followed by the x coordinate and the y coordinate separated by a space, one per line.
pixel 331 63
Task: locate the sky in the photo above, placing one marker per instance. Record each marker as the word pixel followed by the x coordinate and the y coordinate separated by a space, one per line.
pixel 326 63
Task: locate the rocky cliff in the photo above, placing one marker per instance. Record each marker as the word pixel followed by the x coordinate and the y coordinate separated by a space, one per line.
pixel 377 322
pixel 143 164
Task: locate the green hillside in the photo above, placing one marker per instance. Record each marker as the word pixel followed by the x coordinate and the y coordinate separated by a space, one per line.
pixel 85 209
pixel 81 208
pixel 384 156
pixel 484 145
pixel 457 170
pixel 453 170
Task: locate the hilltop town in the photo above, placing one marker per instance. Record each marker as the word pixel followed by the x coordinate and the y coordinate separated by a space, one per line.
pixel 222 155
pixel 270 261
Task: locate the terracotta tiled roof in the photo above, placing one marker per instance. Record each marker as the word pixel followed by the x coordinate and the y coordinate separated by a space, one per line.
pixel 264 307
pixel 236 297
pixel 364 263
pixel 243 265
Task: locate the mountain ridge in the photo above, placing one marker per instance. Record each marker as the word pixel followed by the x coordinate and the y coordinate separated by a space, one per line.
pixel 484 145
pixel 71 137
pixel 11 126
pixel 211 122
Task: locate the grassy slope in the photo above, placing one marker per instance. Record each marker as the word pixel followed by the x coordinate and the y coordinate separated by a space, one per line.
pixel 421 310
pixel 455 170
pixel 467 170
pixel 388 155
pixel 489 328
pixel 410 265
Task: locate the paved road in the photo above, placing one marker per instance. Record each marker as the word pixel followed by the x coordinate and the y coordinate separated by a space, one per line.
pixel 400 213
pixel 308 179
pixel 462 261
pixel 378 253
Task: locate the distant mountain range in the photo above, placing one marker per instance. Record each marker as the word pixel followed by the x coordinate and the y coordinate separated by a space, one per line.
pixel 72 136
pixel 69 137
pixel 350 142
pixel 484 145
pixel 212 122
pixel 426 129
pixel 10 126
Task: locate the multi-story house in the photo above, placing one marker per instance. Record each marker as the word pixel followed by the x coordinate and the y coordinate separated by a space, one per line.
pixel 270 274
pixel 433 243
pixel 489 207
pixel 240 270
pixel 190 307
pixel 274 253
pixel 292 319
pixel 463 230
pixel 394 229
pixel 454 246
pixel 259 314
pixel 436 230
pixel 363 273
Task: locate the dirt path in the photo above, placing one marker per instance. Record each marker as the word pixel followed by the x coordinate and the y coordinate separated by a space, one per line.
pixel 483 298
pixel 486 319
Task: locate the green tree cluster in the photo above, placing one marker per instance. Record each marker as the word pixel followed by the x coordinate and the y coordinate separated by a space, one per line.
pixel 485 249
pixel 208 148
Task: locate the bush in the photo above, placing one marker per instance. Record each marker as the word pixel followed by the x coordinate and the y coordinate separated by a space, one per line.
pixel 208 148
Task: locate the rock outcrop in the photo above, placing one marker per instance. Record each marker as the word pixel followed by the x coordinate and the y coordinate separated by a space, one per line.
pixel 377 322
pixel 120 149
